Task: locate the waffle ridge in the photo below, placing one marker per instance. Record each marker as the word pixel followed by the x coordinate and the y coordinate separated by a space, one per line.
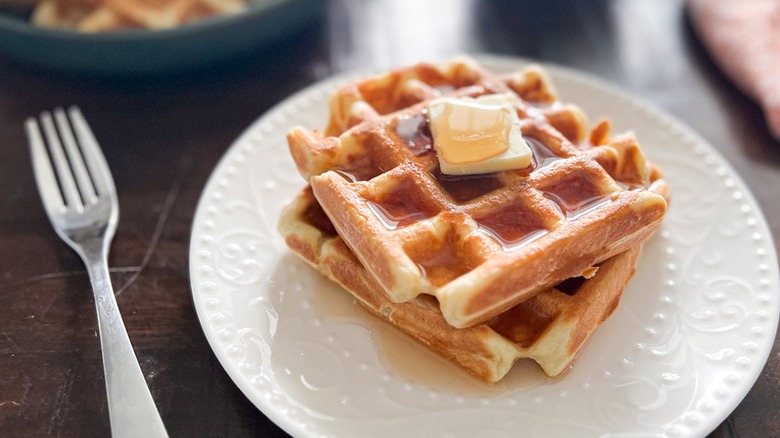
pixel 480 244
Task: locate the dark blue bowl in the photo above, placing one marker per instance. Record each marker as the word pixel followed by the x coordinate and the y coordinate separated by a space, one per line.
pixel 131 52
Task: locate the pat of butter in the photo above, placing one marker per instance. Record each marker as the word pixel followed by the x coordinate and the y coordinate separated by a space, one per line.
pixel 479 135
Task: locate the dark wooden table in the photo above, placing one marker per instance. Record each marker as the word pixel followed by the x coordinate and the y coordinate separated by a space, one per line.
pixel 162 136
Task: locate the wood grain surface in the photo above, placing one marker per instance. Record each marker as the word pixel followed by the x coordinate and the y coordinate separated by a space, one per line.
pixel 163 135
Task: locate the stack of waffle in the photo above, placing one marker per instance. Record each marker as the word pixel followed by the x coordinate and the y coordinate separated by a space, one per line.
pixel 107 15
pixel 482 269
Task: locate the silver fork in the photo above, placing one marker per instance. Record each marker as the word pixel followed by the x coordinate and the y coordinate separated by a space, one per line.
pixel 81 202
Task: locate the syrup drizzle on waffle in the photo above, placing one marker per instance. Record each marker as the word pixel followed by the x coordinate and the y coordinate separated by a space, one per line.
pixel 478 243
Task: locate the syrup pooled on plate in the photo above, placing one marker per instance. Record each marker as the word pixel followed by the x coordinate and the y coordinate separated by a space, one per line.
pixel 407 360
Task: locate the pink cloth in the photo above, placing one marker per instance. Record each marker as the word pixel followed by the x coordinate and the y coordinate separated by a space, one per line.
pixel 744 38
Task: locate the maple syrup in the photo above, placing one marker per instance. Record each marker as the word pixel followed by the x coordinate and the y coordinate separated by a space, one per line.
pixel 393 217
pixel 575 209
pixel 464 188
pixel 542 156
pixel 415 131
pixel 576 196
pixel 513 225
pixel 441 263
pixel 405 359
pixel 514 243
pixel 402 206
pixel 360 168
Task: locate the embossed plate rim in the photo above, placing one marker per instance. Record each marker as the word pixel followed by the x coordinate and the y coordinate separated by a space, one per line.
pixel 692 421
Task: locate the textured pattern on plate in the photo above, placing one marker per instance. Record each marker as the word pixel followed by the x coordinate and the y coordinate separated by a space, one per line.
pixel 687 342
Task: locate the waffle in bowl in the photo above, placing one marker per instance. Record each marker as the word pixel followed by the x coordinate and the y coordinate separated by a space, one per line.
pixel 549 328
pixel 107 15
pixel 480 244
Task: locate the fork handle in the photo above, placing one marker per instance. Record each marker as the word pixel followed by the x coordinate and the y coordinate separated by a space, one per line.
pixel 131 408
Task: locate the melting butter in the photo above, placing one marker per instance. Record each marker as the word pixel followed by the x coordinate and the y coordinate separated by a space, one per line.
pixel 479 135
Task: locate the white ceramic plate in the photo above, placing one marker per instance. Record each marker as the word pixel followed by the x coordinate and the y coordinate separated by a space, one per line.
pixel 685 345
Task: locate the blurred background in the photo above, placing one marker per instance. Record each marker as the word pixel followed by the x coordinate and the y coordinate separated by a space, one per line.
pixel 166 118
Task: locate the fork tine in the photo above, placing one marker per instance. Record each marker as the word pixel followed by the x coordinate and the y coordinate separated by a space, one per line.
pixel 76 161
pixel 96 162
pixel 44 173
pixel 64 174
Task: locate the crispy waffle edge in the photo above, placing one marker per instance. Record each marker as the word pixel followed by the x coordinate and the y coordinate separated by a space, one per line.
pixel 502 281
pixel 561 324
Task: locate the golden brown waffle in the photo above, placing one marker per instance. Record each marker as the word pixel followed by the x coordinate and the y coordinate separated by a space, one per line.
pixel 480 244
pixel 106 15
pixel 364 100
pixel 549 328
